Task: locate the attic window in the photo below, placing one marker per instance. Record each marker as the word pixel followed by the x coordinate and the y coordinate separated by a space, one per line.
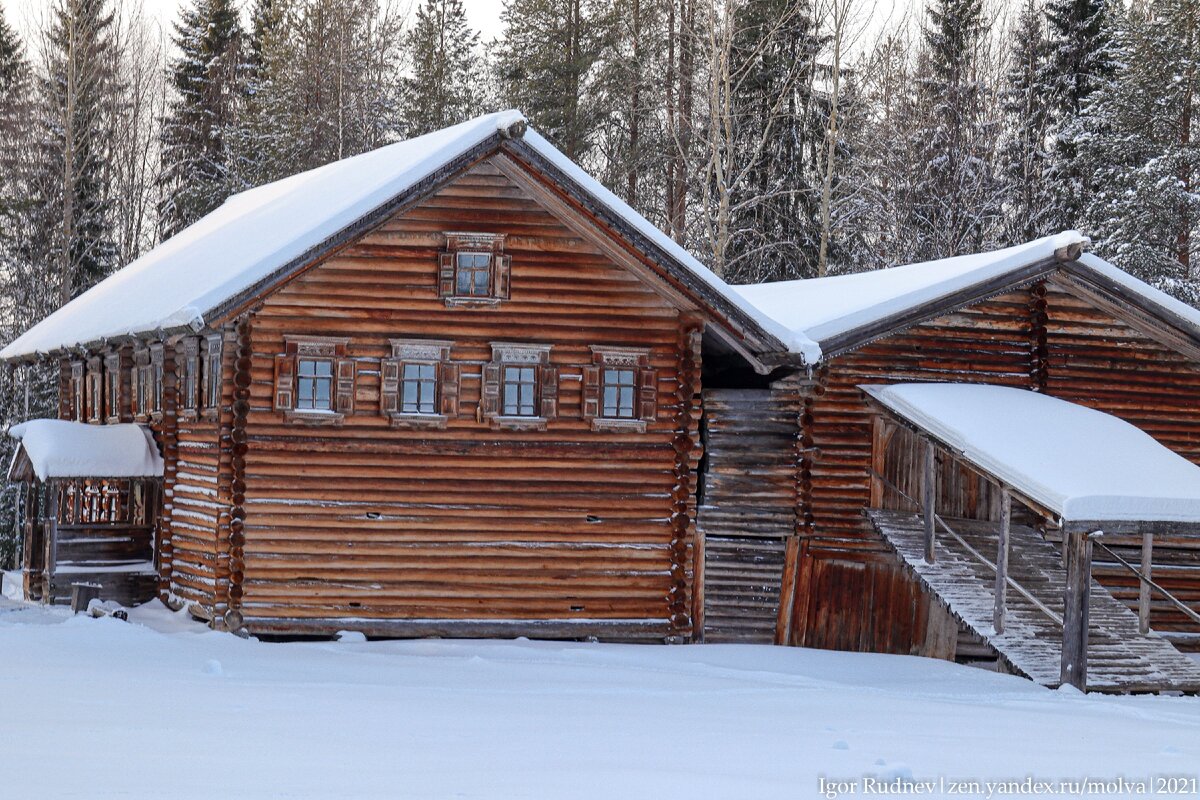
pixel 473 269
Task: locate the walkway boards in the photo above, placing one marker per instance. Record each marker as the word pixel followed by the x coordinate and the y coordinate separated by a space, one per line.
pixel 1120 659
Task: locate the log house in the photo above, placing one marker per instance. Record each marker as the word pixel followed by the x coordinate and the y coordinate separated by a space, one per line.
pixel 455 387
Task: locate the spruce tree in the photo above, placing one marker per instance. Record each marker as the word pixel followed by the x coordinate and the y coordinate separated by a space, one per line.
pixel 1025 158
pixel 956 198
pixel 778 127
pixel 1079 59
pixel 443 87
pixel 1139 148
pixel 76 243
pixel 545 64
pixel 208 78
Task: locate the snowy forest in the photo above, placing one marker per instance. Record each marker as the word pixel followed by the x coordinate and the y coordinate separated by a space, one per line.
pixel 776 139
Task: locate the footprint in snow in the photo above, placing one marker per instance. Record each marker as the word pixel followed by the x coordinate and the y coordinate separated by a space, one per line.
pixel 213 667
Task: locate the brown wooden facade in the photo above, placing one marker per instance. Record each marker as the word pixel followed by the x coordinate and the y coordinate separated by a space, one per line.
pixel 1053 334
pixel 453 517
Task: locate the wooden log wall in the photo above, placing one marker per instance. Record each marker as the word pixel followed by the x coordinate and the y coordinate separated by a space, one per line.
pixel 1097 360
pixel 851 590
pixel 1046 337
pixel 468 530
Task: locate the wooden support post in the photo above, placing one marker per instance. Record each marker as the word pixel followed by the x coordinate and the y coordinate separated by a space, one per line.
pixel 1078 545
pixel 1144 585
pixel 930 492
pixel 50 564
pixel 1002 561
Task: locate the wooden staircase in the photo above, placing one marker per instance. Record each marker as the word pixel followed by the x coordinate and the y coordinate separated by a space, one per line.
pixel 1120 658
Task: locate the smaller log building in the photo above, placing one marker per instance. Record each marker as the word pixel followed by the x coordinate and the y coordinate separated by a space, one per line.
pixel 455 387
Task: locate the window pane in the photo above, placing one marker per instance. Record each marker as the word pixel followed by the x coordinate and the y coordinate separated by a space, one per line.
pixel 610 401
pixel 481 282
pixel 410 397
pixel 464 282
pixel 304 393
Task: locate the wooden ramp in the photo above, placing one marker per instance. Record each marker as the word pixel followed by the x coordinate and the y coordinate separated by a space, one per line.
pixel 1120 659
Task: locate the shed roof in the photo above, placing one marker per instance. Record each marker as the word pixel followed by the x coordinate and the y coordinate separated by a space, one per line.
pixel 829 311
pixel 55 448
pixel 189 278
pixel 1077 462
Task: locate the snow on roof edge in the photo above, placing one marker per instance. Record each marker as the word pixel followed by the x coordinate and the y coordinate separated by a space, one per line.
pixel 794 342
pixel 64 449
pixel 1136 450
pixel 37 341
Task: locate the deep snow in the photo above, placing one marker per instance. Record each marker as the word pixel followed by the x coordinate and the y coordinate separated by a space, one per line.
pixel 161 707
pixel 58 448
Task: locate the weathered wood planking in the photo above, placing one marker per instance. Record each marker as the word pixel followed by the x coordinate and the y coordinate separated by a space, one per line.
pixel 570 527
pixel 1120 658
pixel 749 509
pixel 844 560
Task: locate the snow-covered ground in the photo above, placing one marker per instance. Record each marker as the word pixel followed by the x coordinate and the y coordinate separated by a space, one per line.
pixel 160 707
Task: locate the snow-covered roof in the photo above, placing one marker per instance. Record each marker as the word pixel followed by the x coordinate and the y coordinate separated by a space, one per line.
pixel 1079 463
pixel 253 234
pixel 58 448
pixel 823 309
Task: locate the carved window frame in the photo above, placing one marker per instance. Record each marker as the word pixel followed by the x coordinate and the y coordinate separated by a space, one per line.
pixel 112 387
pixel 188 364
pixel 331 349
pixel 94 384
pixel 461 243
pixel 157 377
pixel 423 352
pixel 510 354
pixel 78 391
pixel 645 393
pixel 211 383
pixel 142 386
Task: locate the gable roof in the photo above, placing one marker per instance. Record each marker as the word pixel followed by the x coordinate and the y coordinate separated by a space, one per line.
pixel 260 234
pixel 840 312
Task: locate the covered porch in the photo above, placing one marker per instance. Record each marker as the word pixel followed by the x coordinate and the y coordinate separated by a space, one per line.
pixel 1002 502
pixel 90 499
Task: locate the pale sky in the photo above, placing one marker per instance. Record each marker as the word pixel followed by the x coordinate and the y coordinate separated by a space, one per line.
pixel 484 14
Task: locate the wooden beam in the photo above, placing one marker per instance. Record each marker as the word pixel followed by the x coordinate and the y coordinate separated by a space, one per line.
pixel 1144 585
pixel 1002 548
pixel 1078 545
pixel 930 492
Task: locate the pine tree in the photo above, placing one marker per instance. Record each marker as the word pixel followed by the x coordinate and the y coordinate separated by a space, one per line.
pixel 957 199
pixel 444 86
pixel 1080 58
pixel 546 63
pixel 208 79
pixel 1025 158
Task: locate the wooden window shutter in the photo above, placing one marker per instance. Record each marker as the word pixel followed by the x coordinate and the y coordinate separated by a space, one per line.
pixel 445 274
pixel 648 393
pixel 490 394
pixel 549 392
pixel 503 275
pixel 346 369
pixel 285 383
pixel 591 392
pixel 448 380
pixel 389 391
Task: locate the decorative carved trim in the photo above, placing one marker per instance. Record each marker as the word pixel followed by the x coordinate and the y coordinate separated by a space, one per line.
pixel 323 346
pixel 618 425
pixel 418 421
pixel 472 241
pixel 520 353
pixel 428 350
pixel 620 356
